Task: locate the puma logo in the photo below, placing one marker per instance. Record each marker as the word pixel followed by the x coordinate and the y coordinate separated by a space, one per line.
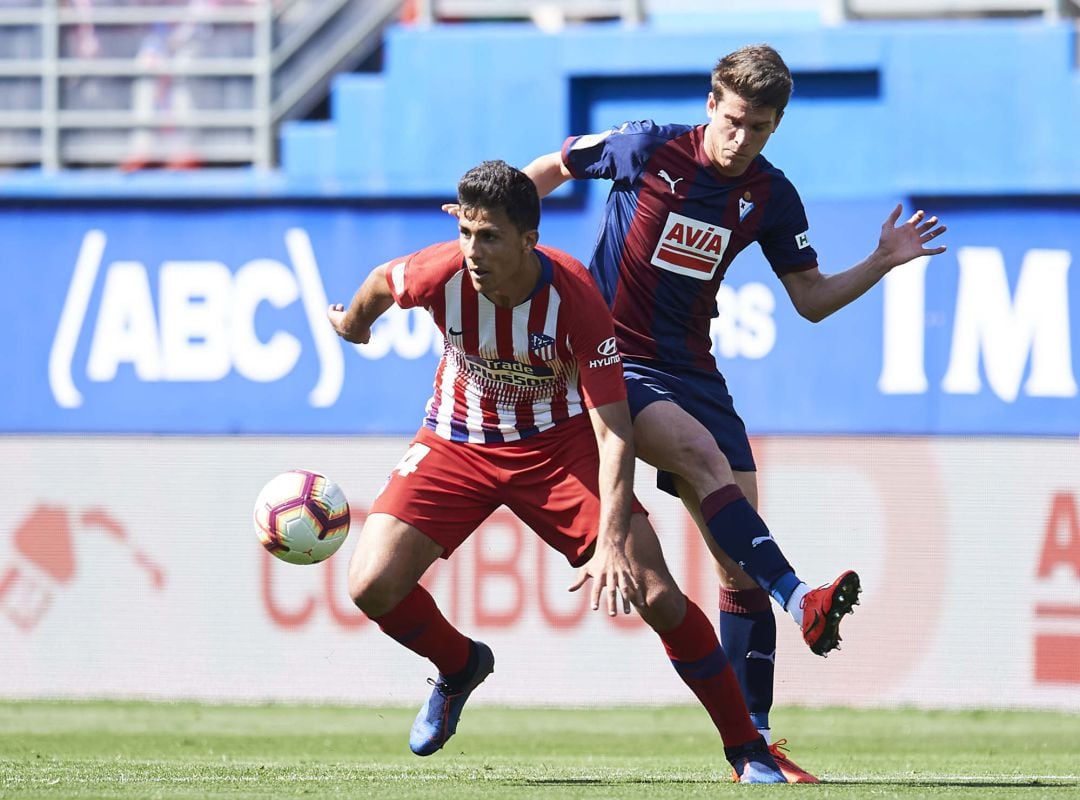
pixel 668 179
pixel 761 540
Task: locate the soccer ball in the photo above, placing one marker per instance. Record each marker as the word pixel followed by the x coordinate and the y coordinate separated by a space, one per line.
pixel 302 517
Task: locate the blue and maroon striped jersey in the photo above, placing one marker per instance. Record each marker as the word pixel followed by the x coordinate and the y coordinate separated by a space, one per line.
pixel 671 228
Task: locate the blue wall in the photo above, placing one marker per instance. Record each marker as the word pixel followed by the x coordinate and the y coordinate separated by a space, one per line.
pixel 928 108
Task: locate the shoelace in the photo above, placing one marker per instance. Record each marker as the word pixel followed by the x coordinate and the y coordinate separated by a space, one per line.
pixel 443 688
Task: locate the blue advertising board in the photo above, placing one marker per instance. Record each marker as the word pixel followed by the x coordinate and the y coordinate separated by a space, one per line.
pixel 211 319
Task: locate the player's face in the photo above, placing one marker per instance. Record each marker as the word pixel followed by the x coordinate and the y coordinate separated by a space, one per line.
pixel 737 132
pixel 499 257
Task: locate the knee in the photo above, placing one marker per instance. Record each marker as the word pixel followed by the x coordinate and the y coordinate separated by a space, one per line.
pixel 665 605
pixel 374 594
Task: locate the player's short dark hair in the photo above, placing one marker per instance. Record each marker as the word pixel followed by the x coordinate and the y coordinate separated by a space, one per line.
pixel 496 185
pixel 757 74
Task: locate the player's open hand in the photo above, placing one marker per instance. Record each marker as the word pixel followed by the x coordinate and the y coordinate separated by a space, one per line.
pixel 612 578
pixel 900 244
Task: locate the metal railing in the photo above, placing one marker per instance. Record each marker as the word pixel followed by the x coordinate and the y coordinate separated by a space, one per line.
pixel 106 84
pixel 876 9
pixel 556 12
pixel 170 82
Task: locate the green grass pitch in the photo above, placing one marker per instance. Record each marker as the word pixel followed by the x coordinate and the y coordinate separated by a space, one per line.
pixel 65 749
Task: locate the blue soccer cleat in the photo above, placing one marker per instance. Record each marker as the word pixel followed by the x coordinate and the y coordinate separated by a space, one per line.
pixel 438 719
pixel 753 763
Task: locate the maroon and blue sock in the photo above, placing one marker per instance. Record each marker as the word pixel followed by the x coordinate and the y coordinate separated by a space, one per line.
pixel 697 656
pixel 748 634
pixel 743 535
pixel 417 623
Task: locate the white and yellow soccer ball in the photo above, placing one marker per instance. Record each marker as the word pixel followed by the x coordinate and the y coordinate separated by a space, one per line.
pixel 302 517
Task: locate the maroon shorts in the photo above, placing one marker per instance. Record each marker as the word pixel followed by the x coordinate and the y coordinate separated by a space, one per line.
pixel 550 481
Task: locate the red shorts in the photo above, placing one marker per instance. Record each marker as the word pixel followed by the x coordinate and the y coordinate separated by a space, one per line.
pixel 550 481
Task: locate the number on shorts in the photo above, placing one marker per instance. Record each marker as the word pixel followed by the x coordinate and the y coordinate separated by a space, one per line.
pixel 411 460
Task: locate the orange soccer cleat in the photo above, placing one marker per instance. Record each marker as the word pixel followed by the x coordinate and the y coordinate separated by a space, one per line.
pixel 788 768
pixel 792 771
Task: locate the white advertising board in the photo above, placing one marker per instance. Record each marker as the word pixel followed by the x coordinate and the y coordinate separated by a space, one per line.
pixel 129 568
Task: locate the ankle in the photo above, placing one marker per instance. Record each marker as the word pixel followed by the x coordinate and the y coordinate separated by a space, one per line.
pixel 794 603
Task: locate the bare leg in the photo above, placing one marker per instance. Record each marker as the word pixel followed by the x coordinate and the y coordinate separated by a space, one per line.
pixel 390 558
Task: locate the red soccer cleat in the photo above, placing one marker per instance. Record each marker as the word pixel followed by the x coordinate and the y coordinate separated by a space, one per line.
pixel 824 607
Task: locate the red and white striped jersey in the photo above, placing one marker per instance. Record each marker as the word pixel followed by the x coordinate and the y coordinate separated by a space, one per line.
pixel 508 373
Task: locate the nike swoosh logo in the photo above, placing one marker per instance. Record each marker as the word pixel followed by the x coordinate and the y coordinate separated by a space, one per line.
pixel 452 332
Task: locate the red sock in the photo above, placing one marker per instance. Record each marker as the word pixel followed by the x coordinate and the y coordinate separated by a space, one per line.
pixel 417 623
pixel 697 656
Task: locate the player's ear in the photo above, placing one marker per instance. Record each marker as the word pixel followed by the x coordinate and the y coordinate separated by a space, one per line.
pixel 710 105
pixel 779 116
pixel 529 239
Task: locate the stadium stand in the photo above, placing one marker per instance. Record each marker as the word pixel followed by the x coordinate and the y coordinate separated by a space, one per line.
pixel 169 82
pixel 181 83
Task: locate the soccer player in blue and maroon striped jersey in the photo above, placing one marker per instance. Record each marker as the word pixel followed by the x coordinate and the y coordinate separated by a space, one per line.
pixel 685 201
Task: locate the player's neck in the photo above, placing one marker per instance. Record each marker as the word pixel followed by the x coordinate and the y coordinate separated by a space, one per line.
pixel 523 283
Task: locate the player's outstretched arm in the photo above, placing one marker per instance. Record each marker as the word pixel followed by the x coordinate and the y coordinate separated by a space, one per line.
pixel 548 173
pixel 369 303
pixel 816 295
pixel 610 567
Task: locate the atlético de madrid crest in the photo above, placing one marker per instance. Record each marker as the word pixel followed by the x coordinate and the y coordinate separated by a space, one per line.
pixel 542 345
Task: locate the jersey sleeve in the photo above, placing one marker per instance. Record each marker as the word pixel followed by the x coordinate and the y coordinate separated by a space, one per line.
pixel 416 279
pixel 591 333
pixel 785 239
pixel 618 154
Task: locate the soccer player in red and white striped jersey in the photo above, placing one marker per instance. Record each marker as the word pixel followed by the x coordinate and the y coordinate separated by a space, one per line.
pixel 529 411
pixel 509 373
